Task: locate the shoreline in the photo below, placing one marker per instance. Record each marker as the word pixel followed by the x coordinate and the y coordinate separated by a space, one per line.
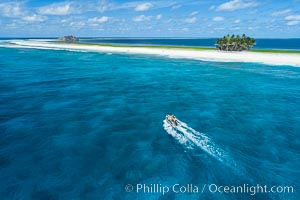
pixel 172 52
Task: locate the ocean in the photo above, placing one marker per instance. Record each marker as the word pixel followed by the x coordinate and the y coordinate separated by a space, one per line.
pixel 84 125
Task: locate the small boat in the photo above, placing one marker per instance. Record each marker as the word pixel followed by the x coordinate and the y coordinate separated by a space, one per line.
pixel 171 119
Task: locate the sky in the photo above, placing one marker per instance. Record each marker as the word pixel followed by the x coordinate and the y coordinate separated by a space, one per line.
pixel 160 18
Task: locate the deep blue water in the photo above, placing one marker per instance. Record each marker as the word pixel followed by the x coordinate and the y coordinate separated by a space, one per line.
pixel 209 42
pixel 79 125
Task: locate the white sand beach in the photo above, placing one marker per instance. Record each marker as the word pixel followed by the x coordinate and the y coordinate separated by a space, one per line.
pixel 205 55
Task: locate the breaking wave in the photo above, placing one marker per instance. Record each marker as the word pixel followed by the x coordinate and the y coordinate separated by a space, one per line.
pixel 9 44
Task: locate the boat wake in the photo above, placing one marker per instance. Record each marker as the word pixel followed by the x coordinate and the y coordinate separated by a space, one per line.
pixel 193 140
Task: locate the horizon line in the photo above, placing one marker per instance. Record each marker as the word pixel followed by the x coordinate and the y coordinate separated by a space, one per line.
pixel 138 37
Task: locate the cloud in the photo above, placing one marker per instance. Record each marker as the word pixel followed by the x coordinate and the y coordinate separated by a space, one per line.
pixel 253 28
pixel 237 21
pixel 293 20
pixel 292 23
pixel 139 6
pixel 10 9
pixel 143 7
pixel 252 12
pixel 212 7
pixel 190 20
pixel 98 20
pixel 103 6
pixel 218 19
pixel 64 20
pixel 58 9
pixel 168 21
pixel 141 18
pixel 176 7
pixel 194 13
pixel 219 28
pixel 77 24
pixel 34 18
pixel 281 12
pixel 235 28
pixel 158 17
pixel 236 5
pixel 16 10
pixel 292 17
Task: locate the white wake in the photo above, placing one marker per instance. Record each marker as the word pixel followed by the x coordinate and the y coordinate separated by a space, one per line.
pixel 192 139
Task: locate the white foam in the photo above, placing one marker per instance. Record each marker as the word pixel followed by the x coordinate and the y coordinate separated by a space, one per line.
pixel 192 139
pixel 179 137
pixel 8 44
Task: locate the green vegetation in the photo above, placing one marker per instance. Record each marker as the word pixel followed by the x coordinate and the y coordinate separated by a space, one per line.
pixel 189 48
pixel 69 39
pixel 275 51
pixel 235 43
pixel 154 47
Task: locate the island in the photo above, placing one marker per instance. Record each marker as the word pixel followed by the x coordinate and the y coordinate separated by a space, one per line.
pixel 235 43
pixel 272 57
pixel 69 39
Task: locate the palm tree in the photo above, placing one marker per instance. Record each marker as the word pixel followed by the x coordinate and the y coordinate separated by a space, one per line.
pixel 235 43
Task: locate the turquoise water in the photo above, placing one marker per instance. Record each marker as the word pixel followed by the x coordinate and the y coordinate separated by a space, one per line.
pixel 79 125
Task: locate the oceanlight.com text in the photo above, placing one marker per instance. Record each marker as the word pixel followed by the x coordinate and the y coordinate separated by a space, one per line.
pixel 207 188
pixel 248 189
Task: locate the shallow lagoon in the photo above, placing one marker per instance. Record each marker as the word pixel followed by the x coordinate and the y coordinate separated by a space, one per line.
pixel 79 125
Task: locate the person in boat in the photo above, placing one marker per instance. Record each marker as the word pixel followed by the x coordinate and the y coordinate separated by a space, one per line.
pixel 173 119
pixel 169 118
